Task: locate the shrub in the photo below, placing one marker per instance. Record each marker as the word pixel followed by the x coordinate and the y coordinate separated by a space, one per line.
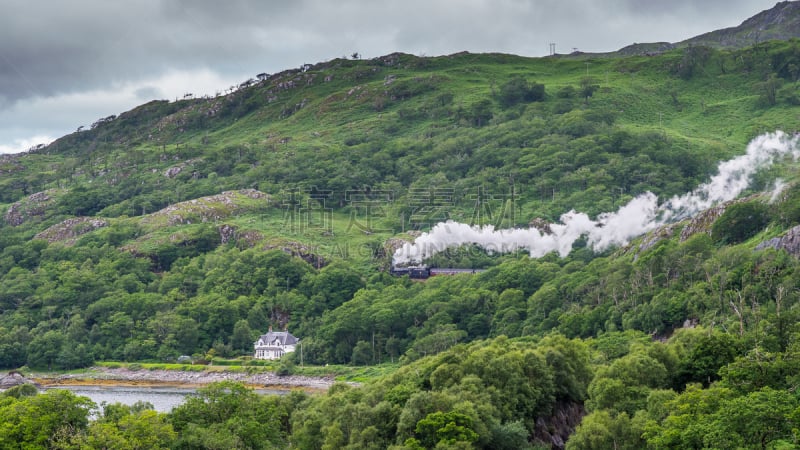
pixel 518 90
pixel 480 113
pixel 566 92
pixel 286 367
pixel 588 87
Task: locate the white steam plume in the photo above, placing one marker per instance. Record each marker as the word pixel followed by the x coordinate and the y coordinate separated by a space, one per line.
pixel 637 217
pixel 777 190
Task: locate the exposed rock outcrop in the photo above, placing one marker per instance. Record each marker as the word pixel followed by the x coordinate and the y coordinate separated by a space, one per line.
pixel 227 233
pixel 703 222
pixel 12 379
pixel 700 223
pixel 69 230
pixel 540 224
pixel 173 171
pixel 35 205
pixel 554 431
pixel 391 245
pixel 779 22
pixel 209 209
pixel 9 164
pixel 782 21
pixel 654 237
pixel 789 242
pixel 243 238
pixel 646 49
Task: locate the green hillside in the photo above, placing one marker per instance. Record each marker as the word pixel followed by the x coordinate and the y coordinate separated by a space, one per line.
pixel 191 227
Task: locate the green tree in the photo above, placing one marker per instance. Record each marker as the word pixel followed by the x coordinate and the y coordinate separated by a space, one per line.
pixel 588 87
pixel 759 369
pixel 740 222
pixel 13 351
pixel 228 413
pixel 789 208
pixel 769 90
pixel 569 361
pixel 45 349
pixel 41 421
pixel 393 347
pixel 600 430
pixel 362 354
pixel 754 420
pixel 518 90
pixel 125 427
pixel 687 424
pixel 510 313
pixel 693 61
pixel 447 428
pixel 510 436
pixel 624 385
pixel 708 354
pixel 336 284
pixel 333 437
pixel 717 418
pixel 73 356
pixel 243 337
pixel 480 113
pixel 21 390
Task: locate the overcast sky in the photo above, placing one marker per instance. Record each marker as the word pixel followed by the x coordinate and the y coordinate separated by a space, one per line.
pixel 66 64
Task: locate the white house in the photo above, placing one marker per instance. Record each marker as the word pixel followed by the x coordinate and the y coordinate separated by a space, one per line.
pixel 274 344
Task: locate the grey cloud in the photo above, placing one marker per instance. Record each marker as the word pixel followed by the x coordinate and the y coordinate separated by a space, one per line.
pixel 725 8
pixel 89 45
pixel 149 93
pixel 79 45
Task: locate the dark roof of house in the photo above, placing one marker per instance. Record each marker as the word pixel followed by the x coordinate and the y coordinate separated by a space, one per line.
pixel 278 337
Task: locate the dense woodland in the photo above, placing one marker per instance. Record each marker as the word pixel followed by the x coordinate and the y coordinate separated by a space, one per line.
pixel 686 338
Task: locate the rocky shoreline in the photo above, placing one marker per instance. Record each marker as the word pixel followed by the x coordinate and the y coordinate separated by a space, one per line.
pixel 125 376
pixel 13 379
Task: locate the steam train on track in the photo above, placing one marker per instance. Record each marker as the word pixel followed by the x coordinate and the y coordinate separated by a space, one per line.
pixel 423 272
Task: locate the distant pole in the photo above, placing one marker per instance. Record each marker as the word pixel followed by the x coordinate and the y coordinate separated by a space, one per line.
pixel 552 48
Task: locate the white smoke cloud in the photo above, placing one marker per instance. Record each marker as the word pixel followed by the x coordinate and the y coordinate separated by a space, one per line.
pixel 640 215
pixel 733 177
pixel 780 186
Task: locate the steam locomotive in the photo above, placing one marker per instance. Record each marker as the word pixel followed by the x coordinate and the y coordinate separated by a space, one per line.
pixel 423 272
